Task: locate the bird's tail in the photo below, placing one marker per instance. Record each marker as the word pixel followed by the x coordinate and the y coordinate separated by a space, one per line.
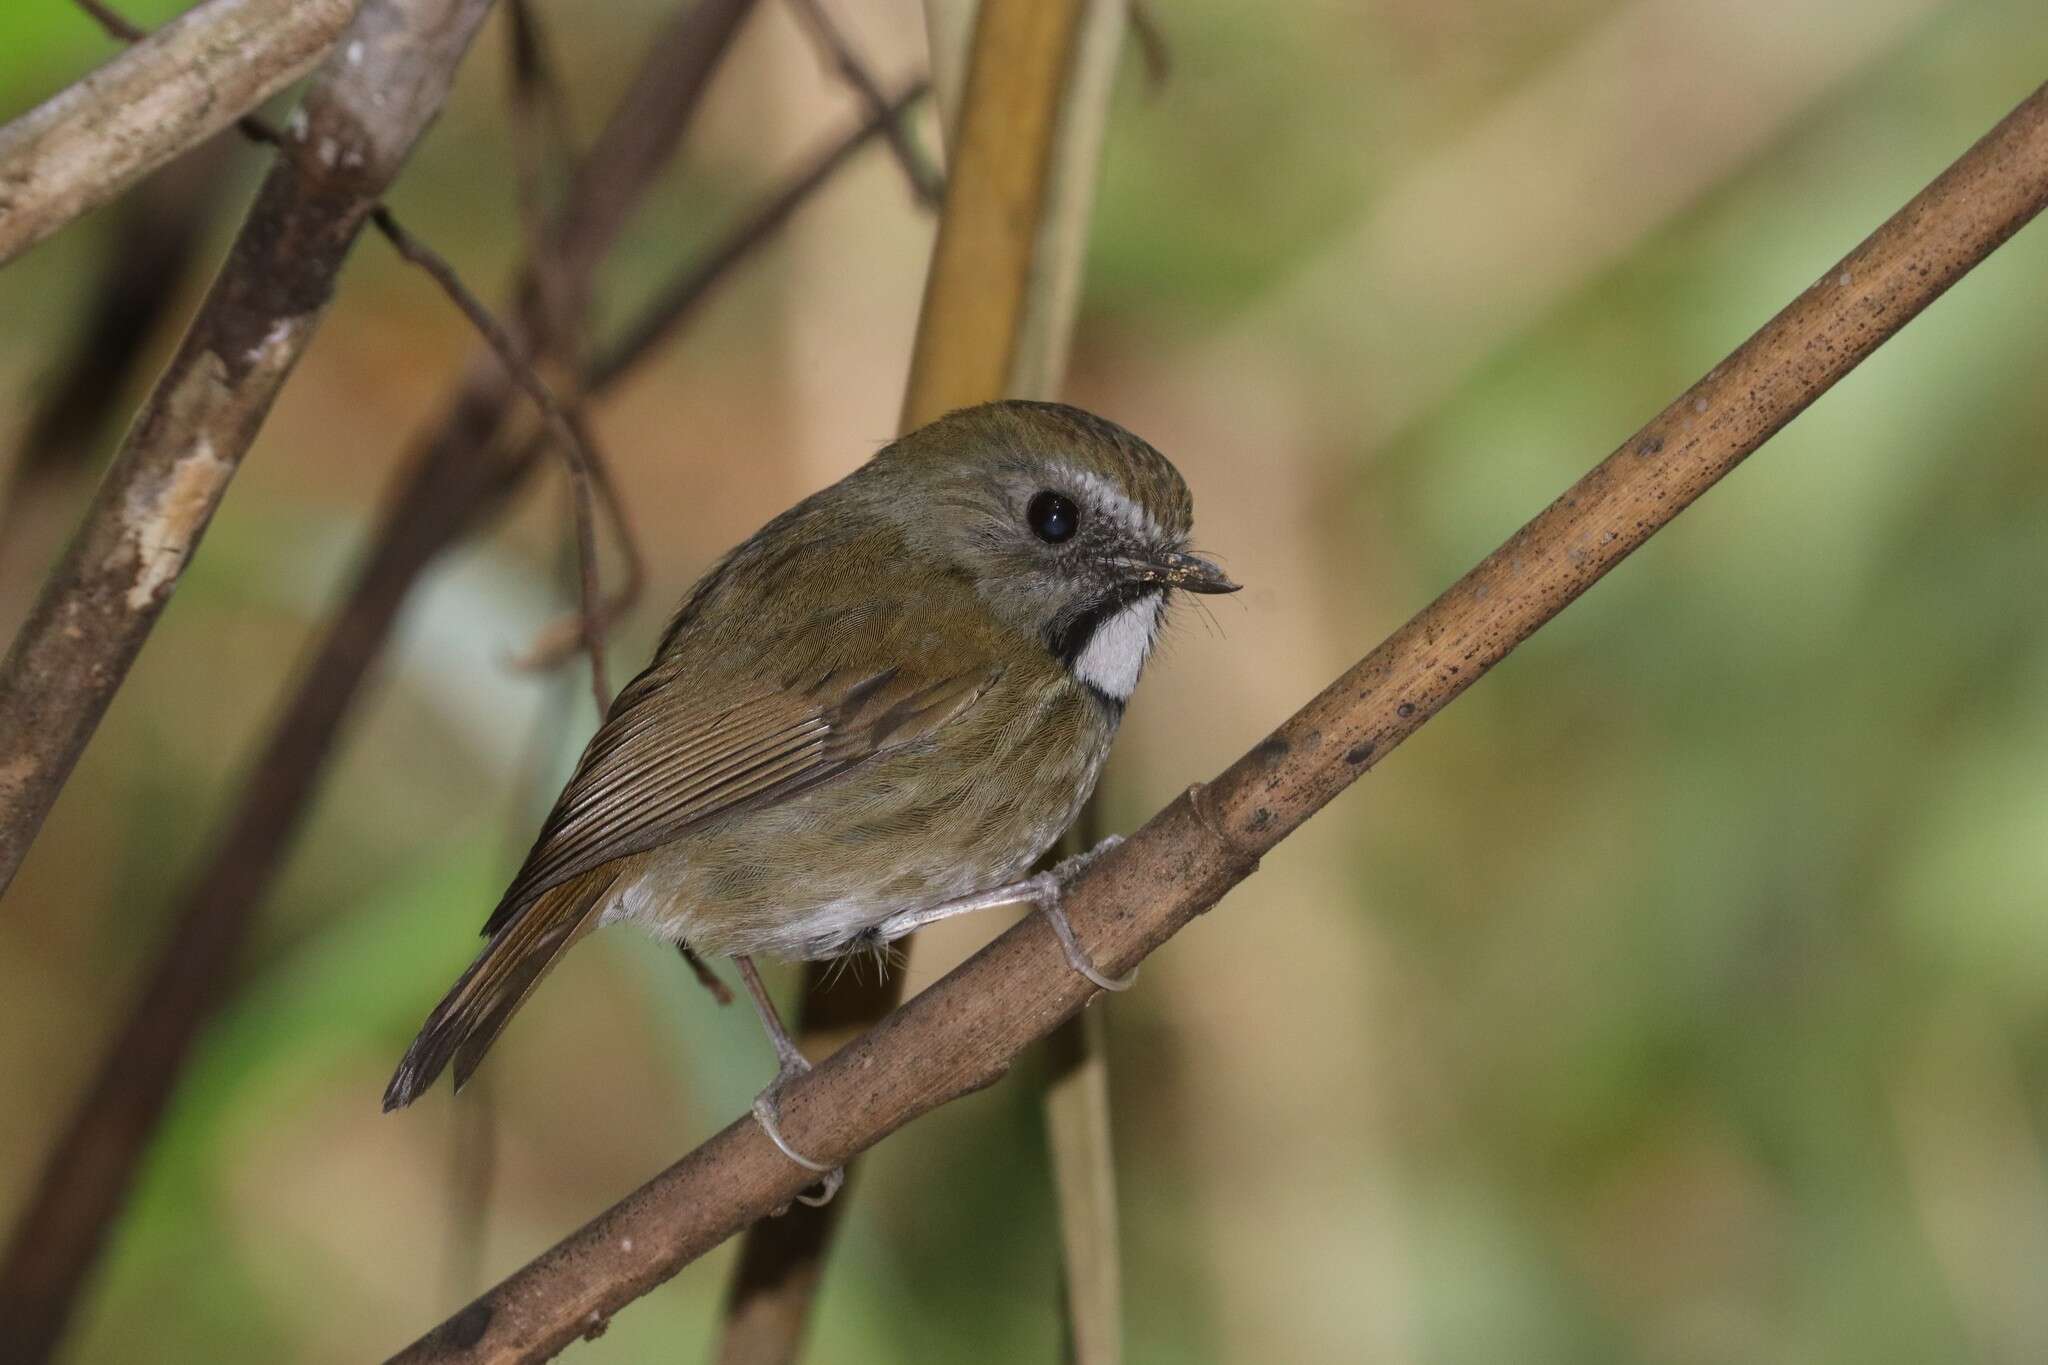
pixel 470 1017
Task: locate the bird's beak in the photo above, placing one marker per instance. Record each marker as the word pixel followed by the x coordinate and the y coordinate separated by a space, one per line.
pixel 1191 573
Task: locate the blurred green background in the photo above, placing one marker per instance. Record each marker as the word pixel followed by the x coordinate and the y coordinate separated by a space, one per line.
pixel 1680 995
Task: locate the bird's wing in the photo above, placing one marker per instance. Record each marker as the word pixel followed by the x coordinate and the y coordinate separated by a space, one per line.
pixel 668 757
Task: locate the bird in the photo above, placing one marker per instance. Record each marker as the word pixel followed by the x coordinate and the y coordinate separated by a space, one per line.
pixel 878 711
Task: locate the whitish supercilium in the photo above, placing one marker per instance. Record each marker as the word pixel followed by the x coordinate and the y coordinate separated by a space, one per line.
pixel 880 710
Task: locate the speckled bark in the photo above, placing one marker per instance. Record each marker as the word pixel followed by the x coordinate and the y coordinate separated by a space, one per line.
pixel 967 1029
pixel 167 93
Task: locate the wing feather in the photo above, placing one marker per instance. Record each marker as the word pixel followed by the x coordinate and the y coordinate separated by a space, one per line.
pixel 668 757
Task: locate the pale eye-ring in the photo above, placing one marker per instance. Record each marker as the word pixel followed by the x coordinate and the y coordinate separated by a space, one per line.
pixel 1053 517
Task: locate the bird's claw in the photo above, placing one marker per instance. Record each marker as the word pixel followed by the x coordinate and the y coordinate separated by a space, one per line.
pixel 767 1115
pixel 1053 892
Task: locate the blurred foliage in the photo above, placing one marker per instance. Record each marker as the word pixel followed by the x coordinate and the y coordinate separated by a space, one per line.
pixel 1680 995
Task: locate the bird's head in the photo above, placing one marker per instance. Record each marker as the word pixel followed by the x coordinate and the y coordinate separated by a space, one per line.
pixel 1068 527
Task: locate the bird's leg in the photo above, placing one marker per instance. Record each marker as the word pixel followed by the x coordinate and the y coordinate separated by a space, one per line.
pixel 1046 890
pixel 705 976
pixel 791 1064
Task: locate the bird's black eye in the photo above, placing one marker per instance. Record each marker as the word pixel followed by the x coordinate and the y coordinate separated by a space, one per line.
pixel 1053 516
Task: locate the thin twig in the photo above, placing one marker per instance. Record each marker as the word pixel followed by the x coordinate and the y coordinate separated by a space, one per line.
pixel 543 146
pixel 570 437
pixel 541 141
pixel 561 638
pixel 963 1032
pixel 837 52
pixel 706 978
pixel 113 21
pixel 1153 49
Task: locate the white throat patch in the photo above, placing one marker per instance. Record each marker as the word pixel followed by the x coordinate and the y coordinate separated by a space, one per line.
pixel 1116 652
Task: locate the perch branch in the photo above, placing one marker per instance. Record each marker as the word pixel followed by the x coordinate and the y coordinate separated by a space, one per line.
pixel 162 96
pixel 962 1033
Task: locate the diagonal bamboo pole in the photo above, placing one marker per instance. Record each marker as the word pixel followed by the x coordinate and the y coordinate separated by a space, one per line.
pixel 965 1031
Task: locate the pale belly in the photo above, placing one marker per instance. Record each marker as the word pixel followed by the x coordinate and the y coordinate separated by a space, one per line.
pixel 815 876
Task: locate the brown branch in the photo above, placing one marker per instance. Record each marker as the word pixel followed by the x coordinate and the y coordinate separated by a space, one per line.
pixel 963 1032
pixel 561 638
pixel 837 51
pixel 541 144
pixel 639 136
pixel 116 24
pixel 193 77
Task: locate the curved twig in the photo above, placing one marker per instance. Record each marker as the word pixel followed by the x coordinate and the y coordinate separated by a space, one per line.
pixel 963 1032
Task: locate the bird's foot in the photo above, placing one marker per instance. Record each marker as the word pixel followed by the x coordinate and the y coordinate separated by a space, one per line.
pixel 768 1116
pixel 1052 891
pixel 1046 890
pixel 791 1063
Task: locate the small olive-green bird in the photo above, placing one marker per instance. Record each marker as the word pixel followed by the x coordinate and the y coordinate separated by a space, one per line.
pixel 879 711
